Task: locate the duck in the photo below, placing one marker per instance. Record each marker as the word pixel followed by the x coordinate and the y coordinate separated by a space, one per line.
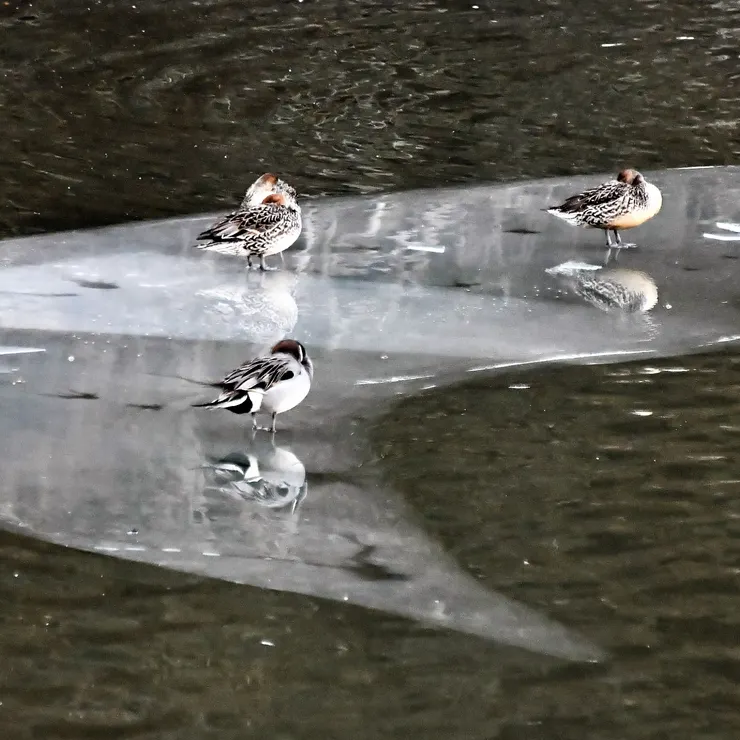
pixel 628 201
pixel 273 384
pixel 267 222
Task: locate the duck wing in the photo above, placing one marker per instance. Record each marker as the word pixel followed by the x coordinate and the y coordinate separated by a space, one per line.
pixel 607 192
pixel 243 389
pixel 245 224
pixel 261 373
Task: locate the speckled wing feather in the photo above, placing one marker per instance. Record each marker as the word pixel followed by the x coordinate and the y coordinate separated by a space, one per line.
pixel 246 224
pixel 608 192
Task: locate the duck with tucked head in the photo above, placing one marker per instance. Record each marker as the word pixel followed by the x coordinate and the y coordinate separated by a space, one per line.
pixel 267 222
pixel 274 383
pixel 263 186
pixel 624 203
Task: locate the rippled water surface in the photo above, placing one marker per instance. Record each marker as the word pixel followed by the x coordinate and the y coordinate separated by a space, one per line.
pixel 113 110
pixel 607 497
pixel 602 497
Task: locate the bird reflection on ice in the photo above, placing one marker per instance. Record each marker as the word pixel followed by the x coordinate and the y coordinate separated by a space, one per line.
pixel 609 288
pixel 266 475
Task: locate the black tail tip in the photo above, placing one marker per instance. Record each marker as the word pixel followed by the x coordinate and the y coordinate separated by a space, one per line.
pixel 207 404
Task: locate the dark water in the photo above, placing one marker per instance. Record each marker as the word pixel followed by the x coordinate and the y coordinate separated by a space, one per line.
pixel 112 111
pixel 603 496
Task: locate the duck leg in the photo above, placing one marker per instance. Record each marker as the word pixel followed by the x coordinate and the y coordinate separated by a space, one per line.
pixel 263 265
pixel 272 429
pixel 623 245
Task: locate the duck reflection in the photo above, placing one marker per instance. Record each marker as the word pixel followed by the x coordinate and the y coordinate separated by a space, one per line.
pixel 264 302
pixel 264 474
pixel 610 289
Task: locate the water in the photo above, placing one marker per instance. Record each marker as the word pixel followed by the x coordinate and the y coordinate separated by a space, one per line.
pixel 138 110
pixel 605 494
pixel 601 497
